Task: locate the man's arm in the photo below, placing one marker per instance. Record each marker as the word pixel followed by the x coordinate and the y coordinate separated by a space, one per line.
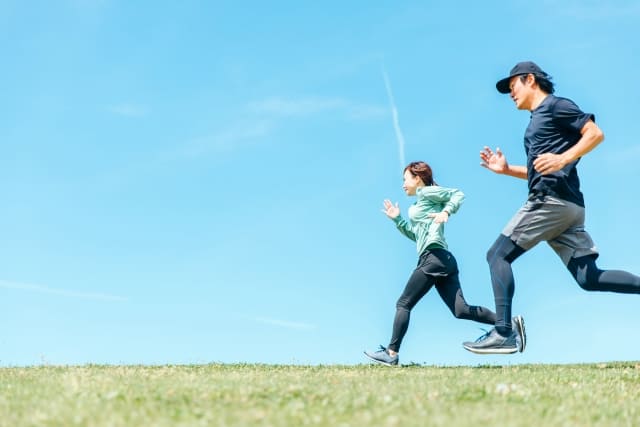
pixel 497 163
pixel 591 136
pixel 516 171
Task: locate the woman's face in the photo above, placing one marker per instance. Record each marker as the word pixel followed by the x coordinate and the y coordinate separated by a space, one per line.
pixel 411 183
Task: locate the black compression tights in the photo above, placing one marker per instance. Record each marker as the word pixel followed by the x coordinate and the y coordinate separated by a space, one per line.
pixel 449 289
pixel 500 256
pixel 591 278
pixel 583 269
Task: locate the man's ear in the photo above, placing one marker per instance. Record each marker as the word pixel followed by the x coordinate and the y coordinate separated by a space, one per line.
pixel 531 80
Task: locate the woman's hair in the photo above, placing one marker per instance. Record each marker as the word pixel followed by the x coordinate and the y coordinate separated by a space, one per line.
pixel 421 170
pixel 544 82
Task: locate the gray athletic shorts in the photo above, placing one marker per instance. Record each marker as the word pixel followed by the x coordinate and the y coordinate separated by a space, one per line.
pixel 559 222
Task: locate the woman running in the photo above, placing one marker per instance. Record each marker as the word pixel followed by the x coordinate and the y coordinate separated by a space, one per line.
pixel 436 265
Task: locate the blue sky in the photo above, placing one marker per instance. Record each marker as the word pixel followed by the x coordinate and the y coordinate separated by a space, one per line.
pixel 192 182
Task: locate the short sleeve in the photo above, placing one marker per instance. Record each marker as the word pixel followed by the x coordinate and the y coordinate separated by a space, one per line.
pixel 569 116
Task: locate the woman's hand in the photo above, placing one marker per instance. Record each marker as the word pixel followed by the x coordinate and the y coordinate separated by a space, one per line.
pixel 391 210
pixel 440 217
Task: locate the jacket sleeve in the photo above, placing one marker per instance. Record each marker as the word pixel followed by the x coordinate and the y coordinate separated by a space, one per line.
pixel 404 227
pixel 456 198
pixel 451 198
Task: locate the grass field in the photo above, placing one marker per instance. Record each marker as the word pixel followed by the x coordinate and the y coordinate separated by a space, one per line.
pixel 363 395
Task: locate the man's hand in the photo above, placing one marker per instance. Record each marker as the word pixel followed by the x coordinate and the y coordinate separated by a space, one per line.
pixel 391 210
pixel 549 163
pixel 495 162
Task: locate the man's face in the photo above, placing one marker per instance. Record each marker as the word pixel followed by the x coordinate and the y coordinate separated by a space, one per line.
pixel 522 91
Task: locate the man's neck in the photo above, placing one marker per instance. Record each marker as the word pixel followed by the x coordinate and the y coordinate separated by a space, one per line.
pixel 538 97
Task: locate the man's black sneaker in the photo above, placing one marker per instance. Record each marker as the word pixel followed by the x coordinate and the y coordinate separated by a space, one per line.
pixel 518 326
pixel 382 356
pixel 493 343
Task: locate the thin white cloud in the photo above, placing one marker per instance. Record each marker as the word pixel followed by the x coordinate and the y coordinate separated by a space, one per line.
pixel 287 107
pixel 296 107
pixel 225 140
pixel 129 110
pixel 396 122
pixel 285 324
pixel 263 117
pixel 61 292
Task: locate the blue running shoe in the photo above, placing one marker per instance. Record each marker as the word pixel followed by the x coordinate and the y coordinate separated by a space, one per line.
pixel 382 356
pixel 493 343
pixel 518 326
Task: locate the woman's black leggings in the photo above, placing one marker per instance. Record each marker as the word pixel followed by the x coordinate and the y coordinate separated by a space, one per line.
pixel 436 267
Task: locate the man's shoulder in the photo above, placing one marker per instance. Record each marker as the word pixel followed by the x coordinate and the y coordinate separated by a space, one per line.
pixel 562 103
pixel 552 100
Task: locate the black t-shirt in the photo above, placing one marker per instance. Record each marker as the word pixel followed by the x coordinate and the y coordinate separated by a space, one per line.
pixel 554 128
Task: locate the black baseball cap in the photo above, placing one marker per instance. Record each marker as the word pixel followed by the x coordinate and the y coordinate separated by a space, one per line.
pixel 526 67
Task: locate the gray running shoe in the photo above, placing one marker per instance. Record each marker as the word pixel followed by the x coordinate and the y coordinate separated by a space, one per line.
pixel 382 356
pixel 517 324
pixel 493 343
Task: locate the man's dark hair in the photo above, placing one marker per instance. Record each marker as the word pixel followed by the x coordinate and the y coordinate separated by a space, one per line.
pixel 544 82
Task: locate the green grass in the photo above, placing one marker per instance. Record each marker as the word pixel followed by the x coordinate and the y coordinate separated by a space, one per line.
pixel 364 395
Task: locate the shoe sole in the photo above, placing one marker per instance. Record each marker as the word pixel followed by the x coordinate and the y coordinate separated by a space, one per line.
pixel 519 322
pixel 380 361
pixel 505 350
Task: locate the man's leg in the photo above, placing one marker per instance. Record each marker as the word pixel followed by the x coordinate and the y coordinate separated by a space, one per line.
pixel 541 218
pixel 591 278
pixel 502 339
pixel 500 256
pixel 578 252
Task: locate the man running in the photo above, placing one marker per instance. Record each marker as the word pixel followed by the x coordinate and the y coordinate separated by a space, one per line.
pixel 558 135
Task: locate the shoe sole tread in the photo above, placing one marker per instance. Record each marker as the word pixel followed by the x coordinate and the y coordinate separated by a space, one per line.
pixel 505 350
pixel 519 321
pixel 380 361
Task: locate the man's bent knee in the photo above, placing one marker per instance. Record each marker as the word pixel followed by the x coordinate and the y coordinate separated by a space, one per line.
pixel 585 272
pixel 403 304
pixel 504 249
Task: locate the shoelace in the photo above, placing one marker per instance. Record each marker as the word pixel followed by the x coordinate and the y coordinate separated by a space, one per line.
pixel 486 334
pixel 383 348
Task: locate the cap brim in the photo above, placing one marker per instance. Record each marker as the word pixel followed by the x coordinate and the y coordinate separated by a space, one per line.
pixel 503 85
